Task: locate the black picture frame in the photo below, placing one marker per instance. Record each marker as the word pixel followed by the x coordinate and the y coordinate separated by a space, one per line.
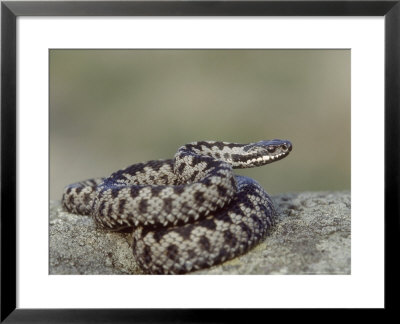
pixel 11 10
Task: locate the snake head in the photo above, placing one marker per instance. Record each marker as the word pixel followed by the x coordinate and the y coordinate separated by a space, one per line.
pixel 264 152
pixel 275 146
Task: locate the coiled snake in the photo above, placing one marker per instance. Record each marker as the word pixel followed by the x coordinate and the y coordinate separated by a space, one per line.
pixel 185 213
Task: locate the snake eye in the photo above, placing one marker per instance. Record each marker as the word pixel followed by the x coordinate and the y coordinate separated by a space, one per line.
pixel 271 149
pixel 284 147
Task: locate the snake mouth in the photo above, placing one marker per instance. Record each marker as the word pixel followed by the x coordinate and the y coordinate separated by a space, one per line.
pixel 264 152
pixel 272 158
pixel 265 159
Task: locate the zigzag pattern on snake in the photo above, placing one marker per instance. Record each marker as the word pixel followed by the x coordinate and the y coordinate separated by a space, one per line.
pixel 186 213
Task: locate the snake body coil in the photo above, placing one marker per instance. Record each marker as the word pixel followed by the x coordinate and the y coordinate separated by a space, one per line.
pixel 186 213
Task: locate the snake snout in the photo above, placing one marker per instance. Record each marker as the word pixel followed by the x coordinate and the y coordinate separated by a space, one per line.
pixel 286 146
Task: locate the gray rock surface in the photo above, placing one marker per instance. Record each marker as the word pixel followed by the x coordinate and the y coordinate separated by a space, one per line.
pixel 312 235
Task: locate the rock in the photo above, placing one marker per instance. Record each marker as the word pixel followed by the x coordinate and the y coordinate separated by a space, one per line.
pixel 78 247
pixel 312 235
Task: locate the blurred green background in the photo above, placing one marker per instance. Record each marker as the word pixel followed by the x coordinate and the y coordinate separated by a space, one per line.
pixel 113 108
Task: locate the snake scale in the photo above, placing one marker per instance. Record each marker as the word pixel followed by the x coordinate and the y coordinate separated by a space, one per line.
pixel 185 213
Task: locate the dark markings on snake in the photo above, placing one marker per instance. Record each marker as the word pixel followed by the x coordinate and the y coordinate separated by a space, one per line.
pixel 167 205
pixel 191 254
pixel 221 190
pixel 219 145
pixel 209 224
pixel 185 231
pixel 199 197
pixel 143 206
pixel 137 167
pixel 114 192
pixel 207 182
pixel 156 166
pixel 172 252
pixel 101 208
pixel 121 206
pixel 205 243
pixel 134 192
pixel 156 190
pixel 178 189
pixel 194 175
pixel 158 235
pixel 181 168
pixel 93 182
pixel 222 254
pixel 256 220
pixel 186 207
pixel 86 198
pixel 230 238
pixel 188 212
pixel 248 204
pixel 109 211
pixel 245 229
pixel 147 253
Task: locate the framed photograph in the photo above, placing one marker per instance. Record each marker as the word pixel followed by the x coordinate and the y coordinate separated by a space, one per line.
pixel 185 154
